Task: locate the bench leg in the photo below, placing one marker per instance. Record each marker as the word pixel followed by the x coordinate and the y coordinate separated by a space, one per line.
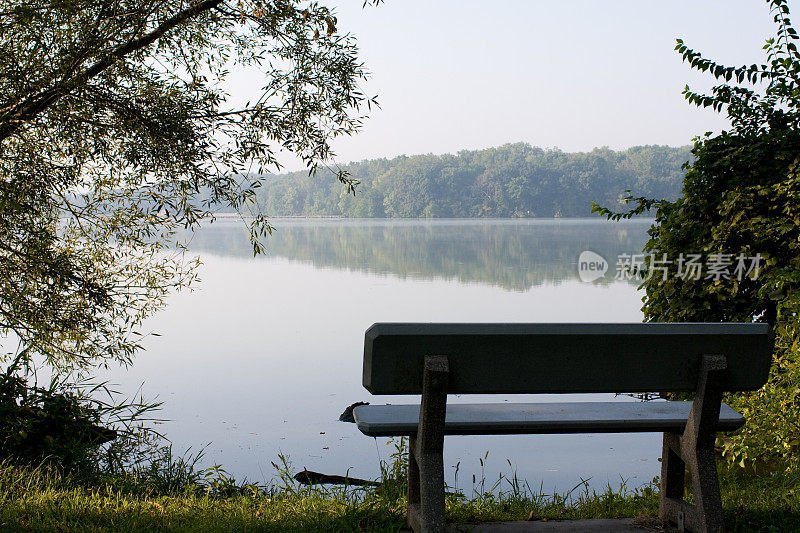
pixel 695 448
pixel 413 511
pixel 425 452
pixel 706 514
pixel 708 500
pixel 672 474
pixel 426 509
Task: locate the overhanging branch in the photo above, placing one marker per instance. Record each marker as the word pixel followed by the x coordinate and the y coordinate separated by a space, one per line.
pixel 13 118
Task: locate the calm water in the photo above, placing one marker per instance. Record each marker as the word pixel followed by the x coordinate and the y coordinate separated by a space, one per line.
pixel 263 358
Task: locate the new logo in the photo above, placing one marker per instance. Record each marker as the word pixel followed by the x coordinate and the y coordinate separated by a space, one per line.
pixel 591 266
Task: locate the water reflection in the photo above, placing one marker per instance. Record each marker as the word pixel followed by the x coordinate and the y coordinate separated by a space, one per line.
pixel 264 357
pixel 512 254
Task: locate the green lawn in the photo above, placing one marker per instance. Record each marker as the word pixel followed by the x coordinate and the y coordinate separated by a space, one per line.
pixel 41 501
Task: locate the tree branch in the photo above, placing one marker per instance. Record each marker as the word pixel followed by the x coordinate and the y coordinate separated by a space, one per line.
pixel 12 119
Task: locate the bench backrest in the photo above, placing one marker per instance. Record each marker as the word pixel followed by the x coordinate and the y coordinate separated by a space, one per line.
pixel 562 358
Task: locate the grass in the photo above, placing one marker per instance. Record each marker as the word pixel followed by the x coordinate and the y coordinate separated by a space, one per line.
pixel 41 499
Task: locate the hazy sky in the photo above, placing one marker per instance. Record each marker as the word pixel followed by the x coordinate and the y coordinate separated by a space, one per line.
pixel 454 75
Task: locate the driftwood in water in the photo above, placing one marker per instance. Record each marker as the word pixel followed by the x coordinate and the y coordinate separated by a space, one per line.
pixel 347 415
pixel 308 477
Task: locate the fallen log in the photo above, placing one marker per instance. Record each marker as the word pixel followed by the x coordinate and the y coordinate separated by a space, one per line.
pixel 308 477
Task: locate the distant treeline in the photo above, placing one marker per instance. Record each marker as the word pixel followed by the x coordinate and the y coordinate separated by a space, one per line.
pixel 513 180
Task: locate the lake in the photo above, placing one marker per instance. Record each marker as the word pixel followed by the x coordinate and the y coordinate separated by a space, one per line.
pixel 267 353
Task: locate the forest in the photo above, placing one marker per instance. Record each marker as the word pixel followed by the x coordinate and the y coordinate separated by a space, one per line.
pixel 513 180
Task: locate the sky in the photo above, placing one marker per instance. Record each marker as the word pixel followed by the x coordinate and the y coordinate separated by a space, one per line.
pixel 569 74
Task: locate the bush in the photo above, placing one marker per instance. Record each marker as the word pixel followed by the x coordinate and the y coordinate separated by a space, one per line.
pixel 55 424
pixel 741 195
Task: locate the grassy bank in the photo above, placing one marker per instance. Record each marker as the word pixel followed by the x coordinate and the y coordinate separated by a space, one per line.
pixel 42 500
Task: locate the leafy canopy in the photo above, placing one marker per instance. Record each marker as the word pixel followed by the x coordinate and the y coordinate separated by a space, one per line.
pixel 116 132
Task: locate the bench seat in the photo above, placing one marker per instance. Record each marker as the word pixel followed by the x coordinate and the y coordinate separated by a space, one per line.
pixel 539 418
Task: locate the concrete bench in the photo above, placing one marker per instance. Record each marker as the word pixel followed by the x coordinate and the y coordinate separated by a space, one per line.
pixel 435 360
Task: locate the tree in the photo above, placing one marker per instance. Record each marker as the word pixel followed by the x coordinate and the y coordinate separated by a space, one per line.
pixel 741 195
pixel 116 132
pixel 513 180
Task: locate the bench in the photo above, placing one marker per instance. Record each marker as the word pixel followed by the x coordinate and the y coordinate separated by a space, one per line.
pixel 435 360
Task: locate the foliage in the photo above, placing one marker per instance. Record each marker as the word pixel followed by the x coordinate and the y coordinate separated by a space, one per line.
pixel 513 180
pixel 42 499
pixel 116 130
pixel 39 423
pixel 68 424
pixel 741 194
